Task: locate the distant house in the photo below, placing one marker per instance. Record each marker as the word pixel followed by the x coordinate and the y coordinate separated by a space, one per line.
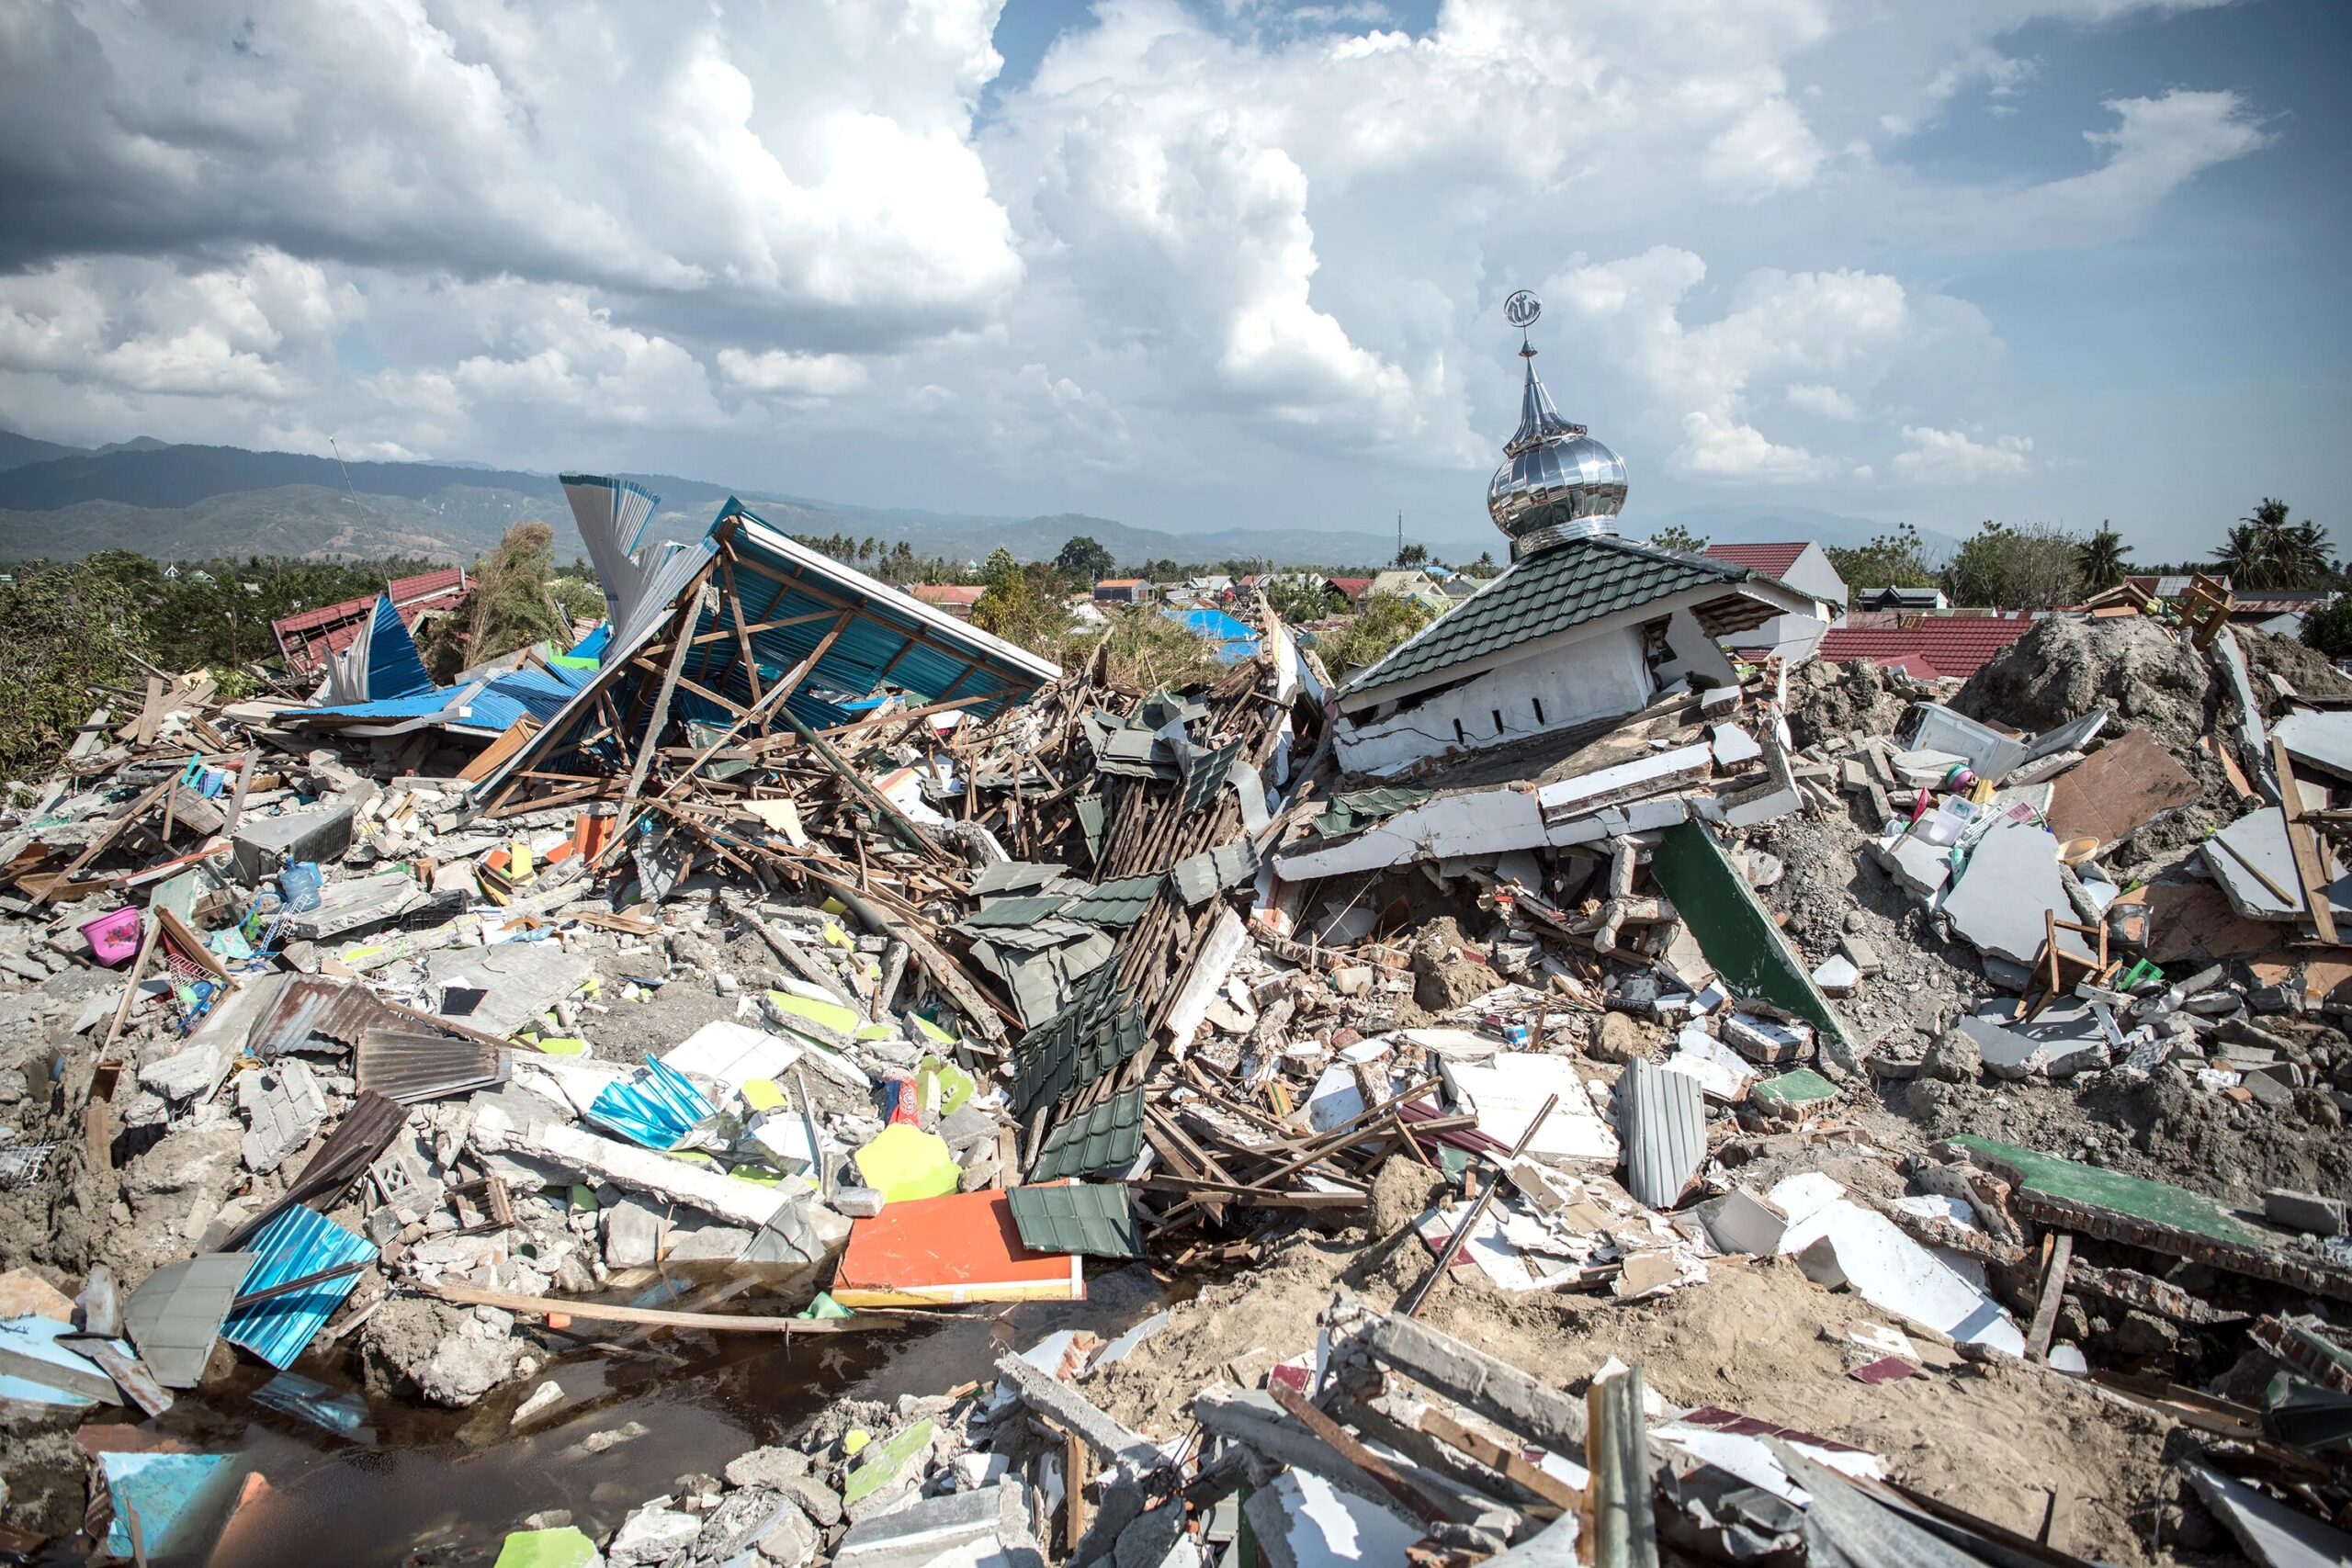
pixel 1954 646
pixel 1801 564
pixel 1460 585
pixel 955 598
pixel 1901 599
pixel 1213 584
pixel 307 637
pixel 1415 585
pixel 1125 591
pixel 1349 588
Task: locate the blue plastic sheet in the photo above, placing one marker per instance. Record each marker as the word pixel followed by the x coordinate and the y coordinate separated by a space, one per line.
pixel 657 1108
pixel 179 1498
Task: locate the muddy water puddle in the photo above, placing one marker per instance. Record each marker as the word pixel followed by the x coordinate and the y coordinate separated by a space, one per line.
pixel 376 1483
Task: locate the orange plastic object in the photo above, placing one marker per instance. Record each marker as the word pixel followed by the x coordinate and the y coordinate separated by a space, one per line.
pixel 960 1247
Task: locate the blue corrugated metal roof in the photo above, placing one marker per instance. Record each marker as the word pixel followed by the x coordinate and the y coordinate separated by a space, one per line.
pixel 489 705
pixel 298 1243
pixel 393 667
pixel 892 638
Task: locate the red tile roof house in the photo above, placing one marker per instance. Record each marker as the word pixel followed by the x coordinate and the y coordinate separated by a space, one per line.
pixel 1125 591
pixel 1801 564
pixel 955 598
pixel 306 638
pixel 1350 587
pixel 1950 646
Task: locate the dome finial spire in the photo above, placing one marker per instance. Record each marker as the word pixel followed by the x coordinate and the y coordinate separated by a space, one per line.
pixel 1556 482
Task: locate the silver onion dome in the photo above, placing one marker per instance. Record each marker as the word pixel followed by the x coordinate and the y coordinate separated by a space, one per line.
pixel 1557 481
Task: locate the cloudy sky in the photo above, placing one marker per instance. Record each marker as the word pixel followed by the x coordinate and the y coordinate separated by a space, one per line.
pixel 1195 264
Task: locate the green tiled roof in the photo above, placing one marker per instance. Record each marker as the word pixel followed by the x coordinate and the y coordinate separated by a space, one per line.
pixel 1110 1134
pixel 1566 586
pixel 1116 904
pixel 1097 1221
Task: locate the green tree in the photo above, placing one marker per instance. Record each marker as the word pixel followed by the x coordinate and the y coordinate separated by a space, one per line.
pixel 1083 560
pixel 1412 556
pixel 1381 622
pixel 69 629
pixel 2099 559
pixel 1898 559
pixel 1001 568
pixel 2030 566
pixel 2330 629
pixel 1675 537
pixel 1303 598
pixel 1025 604
pixel 511 606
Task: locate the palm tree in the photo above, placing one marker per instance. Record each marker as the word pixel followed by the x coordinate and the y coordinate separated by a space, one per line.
pixel 2242 557
pixel 2265 550
pixel 2100 558
pixel 2303 555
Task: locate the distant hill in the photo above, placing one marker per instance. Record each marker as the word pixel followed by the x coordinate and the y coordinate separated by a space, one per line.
pixel 17 450
pixel 205 501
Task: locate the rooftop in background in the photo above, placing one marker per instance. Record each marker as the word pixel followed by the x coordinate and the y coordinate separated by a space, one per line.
pixel 955 598
pixel 307 637
pixel 1956 646
pixel 1772 560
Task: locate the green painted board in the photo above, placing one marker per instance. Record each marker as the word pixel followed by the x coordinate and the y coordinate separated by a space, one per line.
pixel 565 1548
pixel 1802 1087
pixel 1738 938
pixel 2150 1201
pixel 884 1462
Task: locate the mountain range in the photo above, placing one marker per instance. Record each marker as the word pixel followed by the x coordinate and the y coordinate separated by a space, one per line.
pixel 181 502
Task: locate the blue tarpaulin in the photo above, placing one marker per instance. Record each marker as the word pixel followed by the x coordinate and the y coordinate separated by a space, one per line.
pixel 180 1500
pixel 296 1244
pixel 1235 641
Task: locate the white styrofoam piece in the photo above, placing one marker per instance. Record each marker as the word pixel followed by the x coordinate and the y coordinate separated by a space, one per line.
pixel 733 1054
pixel 1896 1273
pixel 1506 1092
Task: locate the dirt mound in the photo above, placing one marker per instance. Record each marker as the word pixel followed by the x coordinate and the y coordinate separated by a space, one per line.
pixel 1829 700
pixel 2305 669
pixel 2062 669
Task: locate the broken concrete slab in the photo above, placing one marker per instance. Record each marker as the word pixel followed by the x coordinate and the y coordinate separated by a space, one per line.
pixel 2251 860
pixel 2011 882
pixel 1840 1243
pixel 262 844
pixel 284 1108
pixel 2321 738
pixel 521 979
pixel 352 904
pixel 1505 1094
pixel 1921 866
pixel 989 1523
pixel 637 1169
pixel 2272 1533
pixel 2305 1212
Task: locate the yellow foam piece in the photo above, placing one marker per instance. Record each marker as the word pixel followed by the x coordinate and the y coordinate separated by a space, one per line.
pixel 905 1162
pixel 762 1094
pixel 832 1015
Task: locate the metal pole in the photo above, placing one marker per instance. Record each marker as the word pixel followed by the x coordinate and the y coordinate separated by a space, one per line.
pixel 1411 1304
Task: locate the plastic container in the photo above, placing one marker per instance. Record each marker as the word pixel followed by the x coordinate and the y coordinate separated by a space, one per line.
pixel 301 881
pixel 114 936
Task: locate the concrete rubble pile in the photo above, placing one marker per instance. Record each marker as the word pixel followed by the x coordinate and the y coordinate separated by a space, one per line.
pixel 657 1030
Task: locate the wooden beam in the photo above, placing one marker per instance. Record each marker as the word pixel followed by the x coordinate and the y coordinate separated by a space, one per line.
pixel 2311 864
pixel 713 1323
pixel 2053 1288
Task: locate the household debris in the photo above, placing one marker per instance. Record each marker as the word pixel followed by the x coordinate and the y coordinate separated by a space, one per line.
pixel 1771 1113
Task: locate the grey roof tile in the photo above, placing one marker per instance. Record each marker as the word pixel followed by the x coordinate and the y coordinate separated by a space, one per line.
pixel 1566 586
pixel 1028 912
pixel 1093 1219
pixel 1013 876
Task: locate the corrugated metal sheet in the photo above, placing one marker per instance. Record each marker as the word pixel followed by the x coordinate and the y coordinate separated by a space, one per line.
pixel 365 1133
pixel 294 1246
pixel 413 1065
pixel 315 1004
pixel 1662 1123
pixel 1097 1221
pixel 175 1313
pixel 657 1108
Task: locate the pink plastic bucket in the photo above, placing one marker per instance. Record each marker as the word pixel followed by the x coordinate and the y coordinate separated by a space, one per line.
pixel 113 936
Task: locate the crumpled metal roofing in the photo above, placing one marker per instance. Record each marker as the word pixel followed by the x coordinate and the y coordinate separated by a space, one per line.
pixel 657 1108
pixel 1201 877
pixel 1662 1123
pixel 296 1244
pixel 1106 1137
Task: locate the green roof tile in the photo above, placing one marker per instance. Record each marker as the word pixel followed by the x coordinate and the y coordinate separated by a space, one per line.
pixel 1566 586
pixel 1095 1220
pixel 1111 1134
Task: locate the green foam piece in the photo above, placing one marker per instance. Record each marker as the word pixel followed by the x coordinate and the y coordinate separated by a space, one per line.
pixel 884 1462
pixel 565 1548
